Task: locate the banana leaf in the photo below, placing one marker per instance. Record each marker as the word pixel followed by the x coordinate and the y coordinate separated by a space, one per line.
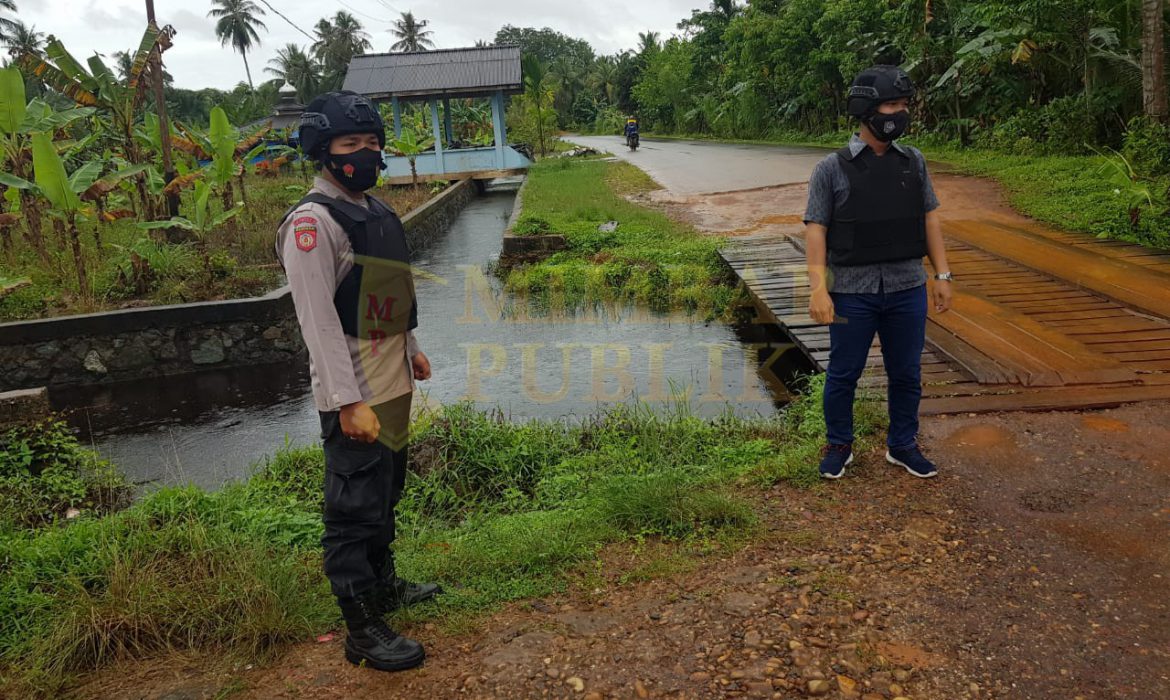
pixel 19 183
pixel 41 117
pixel 51 177
pixel 58 80
pixel 81 179
pixel 12 102
pixel 68 65
pixel 107 184
pixel 223 142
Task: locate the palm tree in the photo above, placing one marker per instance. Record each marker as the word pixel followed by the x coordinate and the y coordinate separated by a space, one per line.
pixel 647 41
pixel 21 39
pixel 296 67
pixel 534 76
pixel 7 26
pixel 603 78
pixel 338 41
pixel 411 34
pixel 237 25
pixel 124 60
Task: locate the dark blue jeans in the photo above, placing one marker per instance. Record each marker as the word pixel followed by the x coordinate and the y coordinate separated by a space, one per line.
pixel 899 319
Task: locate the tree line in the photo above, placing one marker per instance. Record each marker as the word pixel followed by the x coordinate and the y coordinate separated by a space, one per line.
pixel 1028 75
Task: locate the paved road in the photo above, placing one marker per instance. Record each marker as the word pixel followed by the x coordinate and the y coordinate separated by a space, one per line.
pixel 695 167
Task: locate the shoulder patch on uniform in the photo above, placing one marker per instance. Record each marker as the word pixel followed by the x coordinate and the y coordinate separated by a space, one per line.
pixel 305 229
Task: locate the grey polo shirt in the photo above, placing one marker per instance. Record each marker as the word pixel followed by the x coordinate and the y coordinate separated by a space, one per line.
pixel 828 188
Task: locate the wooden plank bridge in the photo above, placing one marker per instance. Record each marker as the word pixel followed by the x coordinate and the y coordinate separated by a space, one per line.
pixel 1041 320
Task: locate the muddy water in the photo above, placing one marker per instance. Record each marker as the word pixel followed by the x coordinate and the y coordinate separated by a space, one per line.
pixel 209 428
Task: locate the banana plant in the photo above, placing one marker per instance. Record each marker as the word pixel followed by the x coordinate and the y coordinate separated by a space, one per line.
pixel 228 150
pixel 99 87
pixel 18 122
pixel 59 188
pixel 409 146
pixel 203 223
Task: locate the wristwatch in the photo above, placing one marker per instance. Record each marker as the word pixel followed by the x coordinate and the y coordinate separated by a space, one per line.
pixel 944 276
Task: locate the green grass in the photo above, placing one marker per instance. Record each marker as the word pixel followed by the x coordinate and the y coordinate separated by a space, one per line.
pixel 495 511
pixel 649 259
pixel 1069 192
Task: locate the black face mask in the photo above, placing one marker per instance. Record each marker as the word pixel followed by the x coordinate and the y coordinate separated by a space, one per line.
pixel 357 171
pixel 887 127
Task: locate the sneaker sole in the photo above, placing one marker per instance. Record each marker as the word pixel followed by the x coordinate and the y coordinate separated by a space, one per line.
pixel 405 665
pixel 847 463
pixel 891 460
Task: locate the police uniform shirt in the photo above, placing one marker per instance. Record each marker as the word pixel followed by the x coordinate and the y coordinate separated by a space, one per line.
pixel 316 254
pixel 828 188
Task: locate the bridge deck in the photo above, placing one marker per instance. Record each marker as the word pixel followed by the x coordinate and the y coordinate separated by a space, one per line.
pixel 1042 319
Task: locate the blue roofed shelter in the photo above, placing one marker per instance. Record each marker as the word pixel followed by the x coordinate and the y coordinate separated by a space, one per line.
pixel 489 72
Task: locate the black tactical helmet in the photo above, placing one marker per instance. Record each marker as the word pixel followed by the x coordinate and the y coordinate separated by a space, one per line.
pixel 336 114
pixel 876 85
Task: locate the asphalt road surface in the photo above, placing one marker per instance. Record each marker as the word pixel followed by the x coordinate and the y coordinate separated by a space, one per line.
pixel 697 167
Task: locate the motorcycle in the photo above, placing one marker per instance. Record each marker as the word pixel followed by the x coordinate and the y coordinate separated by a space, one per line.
pixel 632 141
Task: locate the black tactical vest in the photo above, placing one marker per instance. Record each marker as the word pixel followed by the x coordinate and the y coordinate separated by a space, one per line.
pixel 377 296
pixel 884 217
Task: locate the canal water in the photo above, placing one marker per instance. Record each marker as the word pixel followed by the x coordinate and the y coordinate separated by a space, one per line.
pixel 484 347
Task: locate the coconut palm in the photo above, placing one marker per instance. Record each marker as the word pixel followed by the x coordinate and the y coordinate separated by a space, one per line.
pixel 22 39
pixel 411 34
pixel 237 26
pixel 7 26
pixel 296 67
pixel 647 41
pixel 338 41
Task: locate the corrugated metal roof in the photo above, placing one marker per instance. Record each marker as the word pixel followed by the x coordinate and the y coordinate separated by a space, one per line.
pixel 443 72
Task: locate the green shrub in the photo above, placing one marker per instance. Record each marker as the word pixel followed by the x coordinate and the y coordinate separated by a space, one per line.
pixel 44 472
pixel 531 225
pixel 1147 147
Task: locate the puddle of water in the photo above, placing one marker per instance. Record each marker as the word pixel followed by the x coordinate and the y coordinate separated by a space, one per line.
pixel 209 428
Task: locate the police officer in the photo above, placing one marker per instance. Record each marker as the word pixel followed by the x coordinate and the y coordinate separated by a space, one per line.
pixel 348 266
pixel 871 217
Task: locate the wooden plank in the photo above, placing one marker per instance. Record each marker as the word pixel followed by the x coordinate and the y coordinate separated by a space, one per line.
pixel 1046 316
pixel 1138 355
pixel 1038 356
pixel 1133 346
pixel 1133 285
pixel 1124 337
pixel 979 366
pixel 1045 400
pixel 1086 304
pixel 1115 325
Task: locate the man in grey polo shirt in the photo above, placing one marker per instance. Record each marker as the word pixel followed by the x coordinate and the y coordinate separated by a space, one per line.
pixel 870 220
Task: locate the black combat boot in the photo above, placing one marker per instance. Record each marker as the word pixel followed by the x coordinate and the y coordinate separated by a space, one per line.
pixel 371 642
pixel 394 593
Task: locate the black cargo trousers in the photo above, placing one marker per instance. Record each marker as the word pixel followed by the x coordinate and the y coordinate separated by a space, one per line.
pixel 363 484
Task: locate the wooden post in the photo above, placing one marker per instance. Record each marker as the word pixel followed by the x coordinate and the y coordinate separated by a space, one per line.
pixel 438 135
pixel 447 120
pixel 164 125
pixel 498 127
pixel 396 109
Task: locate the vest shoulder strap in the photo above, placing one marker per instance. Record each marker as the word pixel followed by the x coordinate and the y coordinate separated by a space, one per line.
pixel 346 209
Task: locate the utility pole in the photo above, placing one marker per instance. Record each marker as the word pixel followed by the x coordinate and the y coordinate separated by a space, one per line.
pixel 164 125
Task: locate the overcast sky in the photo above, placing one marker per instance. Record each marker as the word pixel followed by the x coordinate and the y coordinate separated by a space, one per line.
pixel 197 60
